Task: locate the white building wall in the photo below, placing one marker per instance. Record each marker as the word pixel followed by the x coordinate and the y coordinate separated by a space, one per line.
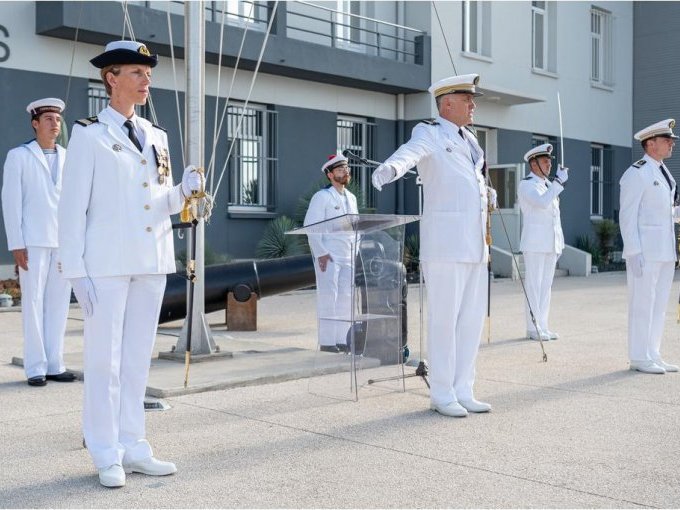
pixel 589 113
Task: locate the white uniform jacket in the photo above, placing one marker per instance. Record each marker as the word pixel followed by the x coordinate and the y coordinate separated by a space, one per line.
pixel 30 197
pixel 324 205
pixel 647 212
pixel 542 227
pixel 114 214
pixel 453 225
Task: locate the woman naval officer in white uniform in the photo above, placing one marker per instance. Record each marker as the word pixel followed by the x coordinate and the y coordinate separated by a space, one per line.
pixel 30 195
pixel 542 239
pixel 452 243
pixel 333 255
pixel 116 247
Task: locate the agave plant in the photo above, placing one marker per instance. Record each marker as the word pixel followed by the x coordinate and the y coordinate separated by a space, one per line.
pixel 275 243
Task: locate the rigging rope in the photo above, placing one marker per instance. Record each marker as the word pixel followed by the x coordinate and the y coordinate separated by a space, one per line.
pixel 217 88
pixel 73 55
pixel 250 91
pixel 174 77
pixel 211 165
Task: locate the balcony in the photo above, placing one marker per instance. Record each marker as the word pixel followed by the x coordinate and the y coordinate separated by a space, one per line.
pixel 307 41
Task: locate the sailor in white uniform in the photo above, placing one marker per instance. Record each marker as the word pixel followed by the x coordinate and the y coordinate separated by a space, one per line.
pixel 542 239
pixel 332 255
pixel 453 245
pixel 649 207
pixel 30 195
pixel 116 248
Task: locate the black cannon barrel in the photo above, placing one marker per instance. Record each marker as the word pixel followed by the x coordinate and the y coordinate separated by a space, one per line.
pixel 264 277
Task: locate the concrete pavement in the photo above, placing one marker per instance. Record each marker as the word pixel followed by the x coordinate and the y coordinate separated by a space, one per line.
pixel 578 431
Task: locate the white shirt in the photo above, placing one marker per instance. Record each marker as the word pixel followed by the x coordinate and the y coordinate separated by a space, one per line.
pixel 327 204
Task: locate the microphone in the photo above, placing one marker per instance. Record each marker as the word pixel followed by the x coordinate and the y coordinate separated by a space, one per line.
pixel 350 155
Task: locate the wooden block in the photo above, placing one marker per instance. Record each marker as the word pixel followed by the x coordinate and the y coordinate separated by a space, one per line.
pixel 241 316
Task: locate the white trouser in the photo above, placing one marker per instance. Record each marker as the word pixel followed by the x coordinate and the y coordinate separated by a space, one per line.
pixel 45 298
pixel 539 273
pixel 456 303
pixel 647 301
pixel 119 339
pixel 334 299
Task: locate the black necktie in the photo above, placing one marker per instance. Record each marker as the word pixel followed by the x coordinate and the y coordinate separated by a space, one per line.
pixel 676 198
pixel 472 152
pixel 665 176
pixel 131 134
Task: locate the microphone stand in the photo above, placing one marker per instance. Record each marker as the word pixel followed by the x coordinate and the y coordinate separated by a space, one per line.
pixel 422 369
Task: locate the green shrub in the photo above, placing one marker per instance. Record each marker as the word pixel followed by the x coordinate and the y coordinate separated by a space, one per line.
pixel 412 253
pixel 585 243
pixel 275 243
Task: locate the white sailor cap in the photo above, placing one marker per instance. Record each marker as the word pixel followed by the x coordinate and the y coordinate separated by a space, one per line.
pixel 333 161
pixel 48 104
pixel 663 128
pixel 463 84
pixel 541 150
pixel 125 52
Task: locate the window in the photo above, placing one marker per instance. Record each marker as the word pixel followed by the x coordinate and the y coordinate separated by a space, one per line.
pixel 601 70
pixel 596 180
pixel 543 32
pixel 356 134
pixel 348 30
pixel 253 162
pixel 97 99
pixel 477 27
pixel 241 12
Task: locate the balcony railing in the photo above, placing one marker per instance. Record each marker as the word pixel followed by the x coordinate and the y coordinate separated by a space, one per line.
pixel 315 24
pixel 338 29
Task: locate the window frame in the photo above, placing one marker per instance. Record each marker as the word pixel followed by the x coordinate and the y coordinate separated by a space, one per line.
pixel 266 158
pixel 543 12
pixel 599 214
pixel 604 67
pixel 482 29
pixel 361 173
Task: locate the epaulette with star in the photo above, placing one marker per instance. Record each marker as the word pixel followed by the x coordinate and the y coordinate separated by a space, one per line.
pixel 160 127
pixel 88 121
pixel 527 178
pixel 638 164
pixel 430 122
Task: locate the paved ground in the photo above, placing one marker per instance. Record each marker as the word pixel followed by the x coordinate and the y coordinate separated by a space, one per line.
pixel 578 431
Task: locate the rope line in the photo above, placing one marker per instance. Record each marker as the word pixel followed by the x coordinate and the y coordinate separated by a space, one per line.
pixel 250 91
pixel 211 165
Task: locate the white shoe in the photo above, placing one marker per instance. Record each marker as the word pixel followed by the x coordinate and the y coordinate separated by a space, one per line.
pixel 112 476
pixel 666 366
pixel 647 366
pixel 551 334
pixel 475 406
pixel 151 466
pixel 531 335
pixel 453 409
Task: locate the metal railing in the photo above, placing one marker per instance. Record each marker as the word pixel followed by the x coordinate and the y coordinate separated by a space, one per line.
pixel 316 24
pixel 330 27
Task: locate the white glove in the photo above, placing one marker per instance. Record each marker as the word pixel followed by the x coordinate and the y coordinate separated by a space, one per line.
pixel 635 263
pixel 493 197
pixel 191 180
pixel 562 174
pixel 382 175
pixel 83 288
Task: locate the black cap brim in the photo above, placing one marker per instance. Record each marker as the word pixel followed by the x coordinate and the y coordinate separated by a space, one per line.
pixel 121 57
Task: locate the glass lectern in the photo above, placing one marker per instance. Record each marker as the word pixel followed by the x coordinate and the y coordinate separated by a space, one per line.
pixel 361 299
